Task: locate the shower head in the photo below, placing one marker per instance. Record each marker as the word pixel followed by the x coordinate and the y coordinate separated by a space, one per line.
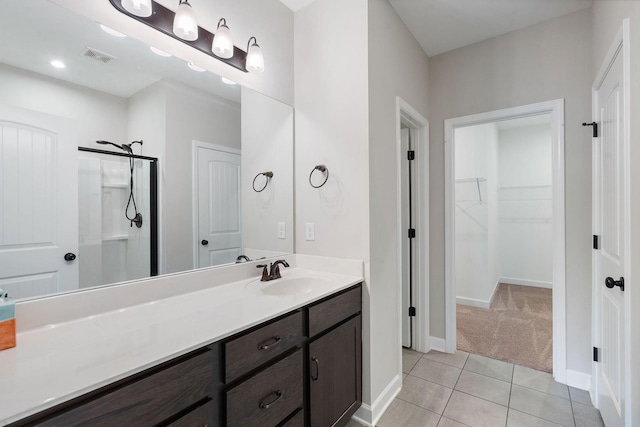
pixel 124 147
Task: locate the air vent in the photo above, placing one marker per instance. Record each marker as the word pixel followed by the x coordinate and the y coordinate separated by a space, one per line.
pixel 97 55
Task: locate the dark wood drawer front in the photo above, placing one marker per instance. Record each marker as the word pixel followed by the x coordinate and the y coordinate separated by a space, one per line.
pixel 147 401
pixel 268 397
pixel 251 350
pixel 327 313
pixel 296 421
pixel 202 416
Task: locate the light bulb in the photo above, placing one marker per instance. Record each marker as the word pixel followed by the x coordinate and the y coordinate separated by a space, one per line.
pixel 222 41
pixel 255 60
pixel 140 8
pixel 185 24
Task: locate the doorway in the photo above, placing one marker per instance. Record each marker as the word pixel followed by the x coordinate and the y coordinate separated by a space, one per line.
pixel 503 240
pixel 555 110
pixel 412 159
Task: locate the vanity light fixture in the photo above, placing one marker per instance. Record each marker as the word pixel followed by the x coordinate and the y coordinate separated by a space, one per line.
pixel 255 60
pixel 185 24
pixel 182 25
pixel 159 52
pixel 195 67
pixel 140 8
pixel 111 31
pixel 222 41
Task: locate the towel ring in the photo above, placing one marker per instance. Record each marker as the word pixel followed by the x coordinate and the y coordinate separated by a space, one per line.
pixel 268 174
pixel 323 169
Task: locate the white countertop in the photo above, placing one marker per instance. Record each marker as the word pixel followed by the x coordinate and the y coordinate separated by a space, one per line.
pixel 57 362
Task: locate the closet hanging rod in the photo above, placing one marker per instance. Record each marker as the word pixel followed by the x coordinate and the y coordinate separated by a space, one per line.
pixel 478 179
pixel 523 187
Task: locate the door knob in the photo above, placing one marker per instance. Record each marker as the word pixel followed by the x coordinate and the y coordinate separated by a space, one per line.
pixel 69 257
pixel 205 242
pixel 610 283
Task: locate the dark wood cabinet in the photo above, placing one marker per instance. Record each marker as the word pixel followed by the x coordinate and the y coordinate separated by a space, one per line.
pixel 302 368
pixel 335 359
pixel 335 370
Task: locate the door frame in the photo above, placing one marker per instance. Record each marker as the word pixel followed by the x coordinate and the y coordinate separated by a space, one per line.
pixel 419 126
pixel 195 205
pixel 556 109
pixel 620 45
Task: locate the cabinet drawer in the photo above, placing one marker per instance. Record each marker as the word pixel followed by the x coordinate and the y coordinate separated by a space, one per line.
pixel 268 397
pixel 327 313
pixel 248 351
pixel 147 401
pixel 202 416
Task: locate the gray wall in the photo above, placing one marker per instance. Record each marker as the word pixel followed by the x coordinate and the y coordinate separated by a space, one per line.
pixel 547 61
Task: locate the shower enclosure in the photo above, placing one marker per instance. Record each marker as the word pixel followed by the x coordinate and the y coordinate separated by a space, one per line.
pixel 113 188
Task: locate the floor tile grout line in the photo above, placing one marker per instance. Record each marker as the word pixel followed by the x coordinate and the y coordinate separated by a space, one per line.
pixel 543 392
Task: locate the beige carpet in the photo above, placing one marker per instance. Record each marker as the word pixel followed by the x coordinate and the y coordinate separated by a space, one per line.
pixel 517 328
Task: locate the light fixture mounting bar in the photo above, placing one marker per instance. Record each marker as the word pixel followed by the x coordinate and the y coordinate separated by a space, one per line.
pixel 161 19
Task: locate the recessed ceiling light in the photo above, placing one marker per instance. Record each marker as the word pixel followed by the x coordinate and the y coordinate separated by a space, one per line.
pixel 194 67
pixel 159 52
pixel 111 31
pixel 58 64
pixel 228 81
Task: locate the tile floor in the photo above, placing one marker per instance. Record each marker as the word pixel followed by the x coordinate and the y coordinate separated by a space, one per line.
pixel 453 390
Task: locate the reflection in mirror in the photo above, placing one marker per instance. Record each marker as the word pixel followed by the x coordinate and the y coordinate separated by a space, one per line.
pixel 210 140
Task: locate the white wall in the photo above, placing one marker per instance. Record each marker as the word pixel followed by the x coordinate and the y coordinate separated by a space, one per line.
pixel 98 116
pixel 267 145
pixel 607 18
pixel 539 63
pixel 331 128
pixel 270 21
pixel 475 152
pixel 525 205
pixel 190 115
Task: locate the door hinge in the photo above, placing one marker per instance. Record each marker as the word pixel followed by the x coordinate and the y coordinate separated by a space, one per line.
pixel 595 242
pixel 412 312
pixel 595 128
pixel 411 155
pixel 596 357
pixel 412 233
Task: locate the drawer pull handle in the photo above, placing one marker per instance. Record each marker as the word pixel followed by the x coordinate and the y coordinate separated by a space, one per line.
pixel 269 343
pixel 278 395
pixel 315 360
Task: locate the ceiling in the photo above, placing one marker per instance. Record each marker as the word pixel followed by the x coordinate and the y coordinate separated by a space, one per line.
pixel 443 25
pixel 53 32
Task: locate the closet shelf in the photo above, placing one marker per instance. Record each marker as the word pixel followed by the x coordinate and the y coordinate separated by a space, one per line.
pixel 115 185
pixel 116 237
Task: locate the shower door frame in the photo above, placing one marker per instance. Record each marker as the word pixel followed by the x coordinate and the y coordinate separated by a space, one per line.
pixel 153 200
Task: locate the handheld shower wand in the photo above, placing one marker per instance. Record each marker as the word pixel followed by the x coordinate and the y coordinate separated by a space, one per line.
pixel 137 217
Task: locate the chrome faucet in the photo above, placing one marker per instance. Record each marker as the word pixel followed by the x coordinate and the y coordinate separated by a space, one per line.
pixel 274 270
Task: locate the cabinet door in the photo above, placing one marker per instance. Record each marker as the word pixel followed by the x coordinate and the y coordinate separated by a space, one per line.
pixel 335 370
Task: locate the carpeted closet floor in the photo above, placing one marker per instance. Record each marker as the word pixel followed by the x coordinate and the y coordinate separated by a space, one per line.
pixel 517 328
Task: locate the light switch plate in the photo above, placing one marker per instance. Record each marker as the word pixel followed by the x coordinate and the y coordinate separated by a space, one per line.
pixel 282 230
pixel 310 231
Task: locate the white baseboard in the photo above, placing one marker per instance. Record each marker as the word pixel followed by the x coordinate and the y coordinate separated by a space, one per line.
pixel 578 380
pixel 472 302
pixel 493 293
pixel 438 344
pixel 370 415
pixel 526 282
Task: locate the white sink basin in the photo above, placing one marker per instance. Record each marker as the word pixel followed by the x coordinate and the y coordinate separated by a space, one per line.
pixel 287 285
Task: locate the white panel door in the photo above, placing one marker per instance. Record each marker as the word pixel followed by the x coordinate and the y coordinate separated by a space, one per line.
pixel 407 330
pixel 38 203
pixel 609 223
pixel 219 208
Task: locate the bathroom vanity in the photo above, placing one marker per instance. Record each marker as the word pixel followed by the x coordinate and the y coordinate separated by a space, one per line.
pixel 300 367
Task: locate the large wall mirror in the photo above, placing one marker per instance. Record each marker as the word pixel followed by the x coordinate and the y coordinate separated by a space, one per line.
pixel 211 182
